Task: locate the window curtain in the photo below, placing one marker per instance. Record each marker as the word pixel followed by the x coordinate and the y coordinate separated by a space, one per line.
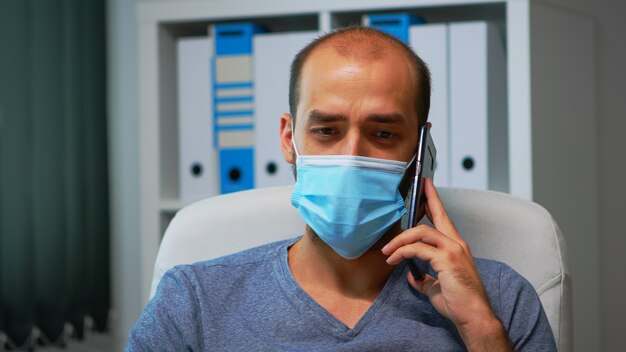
pixel 54 227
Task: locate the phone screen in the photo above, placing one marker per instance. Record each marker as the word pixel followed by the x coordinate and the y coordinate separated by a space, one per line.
pixel 424 168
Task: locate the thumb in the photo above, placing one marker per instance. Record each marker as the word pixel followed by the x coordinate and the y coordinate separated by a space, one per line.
pixel 422 286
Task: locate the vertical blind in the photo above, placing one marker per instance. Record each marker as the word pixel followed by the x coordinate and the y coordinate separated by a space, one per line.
pixel 54 235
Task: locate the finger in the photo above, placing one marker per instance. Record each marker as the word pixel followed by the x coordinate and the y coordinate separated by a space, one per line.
pixel 448 255
pixel 436 209
pixel 429 215
pixel 453 233
pixel 437 213
pixel 419 250
pixel 423 233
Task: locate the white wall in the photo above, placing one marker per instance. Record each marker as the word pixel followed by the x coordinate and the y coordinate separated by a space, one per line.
pixel 611 123
pixel 123 159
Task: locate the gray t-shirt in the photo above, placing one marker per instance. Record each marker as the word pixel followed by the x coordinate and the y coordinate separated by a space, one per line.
pixel 249 301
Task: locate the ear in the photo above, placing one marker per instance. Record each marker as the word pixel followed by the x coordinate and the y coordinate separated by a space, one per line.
pixel 286 138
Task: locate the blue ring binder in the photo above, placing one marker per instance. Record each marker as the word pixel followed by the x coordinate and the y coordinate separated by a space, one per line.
pixel 233 49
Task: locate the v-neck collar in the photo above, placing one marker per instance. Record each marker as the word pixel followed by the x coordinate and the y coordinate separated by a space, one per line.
pixel 337 326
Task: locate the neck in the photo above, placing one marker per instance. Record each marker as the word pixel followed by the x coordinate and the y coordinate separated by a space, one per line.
pixel 314 264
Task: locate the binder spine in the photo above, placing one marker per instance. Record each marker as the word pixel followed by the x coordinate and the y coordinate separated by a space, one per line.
pixel 395 24
pixel 233 104
pixel 198 172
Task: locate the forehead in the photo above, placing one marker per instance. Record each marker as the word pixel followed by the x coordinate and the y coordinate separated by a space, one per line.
pixel 380 71
pixel 358 49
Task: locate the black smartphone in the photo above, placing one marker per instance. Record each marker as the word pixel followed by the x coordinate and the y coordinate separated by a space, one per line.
pixel 424 168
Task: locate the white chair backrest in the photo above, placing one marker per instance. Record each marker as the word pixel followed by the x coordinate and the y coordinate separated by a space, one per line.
pixel 495 225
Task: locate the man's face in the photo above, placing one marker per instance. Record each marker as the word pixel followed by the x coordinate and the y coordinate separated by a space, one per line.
pixel 354 107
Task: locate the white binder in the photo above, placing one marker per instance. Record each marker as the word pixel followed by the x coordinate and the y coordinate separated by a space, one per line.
pixel 478 121
pixel 430 42
pixel 197 157
pixel 273 53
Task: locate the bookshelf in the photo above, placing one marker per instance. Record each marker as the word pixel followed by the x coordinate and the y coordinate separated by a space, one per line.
pixel 550 92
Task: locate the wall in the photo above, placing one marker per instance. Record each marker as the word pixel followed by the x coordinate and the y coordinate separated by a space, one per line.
pixel 123 153
pixel 611 124
pixel 610 29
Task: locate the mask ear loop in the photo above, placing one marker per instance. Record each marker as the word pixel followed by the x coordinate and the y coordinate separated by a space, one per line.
pixel 407 179
pixel 293 139
pixel 409 163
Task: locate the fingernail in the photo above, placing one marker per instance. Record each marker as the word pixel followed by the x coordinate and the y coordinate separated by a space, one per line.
pixel 385 247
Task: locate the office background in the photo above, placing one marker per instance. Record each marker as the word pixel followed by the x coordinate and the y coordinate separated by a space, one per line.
pixel 602 325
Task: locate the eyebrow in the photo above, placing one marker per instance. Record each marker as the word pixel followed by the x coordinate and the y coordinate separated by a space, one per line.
pixel 320 116
pixel 316 116
pixel 387 118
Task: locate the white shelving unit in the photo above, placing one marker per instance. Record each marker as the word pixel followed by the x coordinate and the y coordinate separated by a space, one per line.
pixel 551 109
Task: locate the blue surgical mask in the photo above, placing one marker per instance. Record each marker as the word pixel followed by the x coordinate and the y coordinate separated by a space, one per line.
pixel 349 201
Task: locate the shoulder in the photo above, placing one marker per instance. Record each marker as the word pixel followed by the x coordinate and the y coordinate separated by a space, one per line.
pixel 503 283
pixel 494 273
pixel 193 300
pixel 216 286
pixel 246 257
pixel 518 306
pixel 234 267
pixel 490 267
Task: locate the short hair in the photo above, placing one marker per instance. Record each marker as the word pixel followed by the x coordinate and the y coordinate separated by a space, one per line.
pixel 375 41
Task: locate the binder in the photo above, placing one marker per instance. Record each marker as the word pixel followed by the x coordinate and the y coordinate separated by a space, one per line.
pixel 395 24
pixel 233 104
pixel 430 42
pixel 478 123
pixel 273 53
pixel 197 156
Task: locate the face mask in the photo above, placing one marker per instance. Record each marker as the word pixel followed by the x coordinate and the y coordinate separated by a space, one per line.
pixel 349 201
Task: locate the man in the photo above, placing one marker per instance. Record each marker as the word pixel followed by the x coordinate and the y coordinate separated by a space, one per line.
pixel 357 99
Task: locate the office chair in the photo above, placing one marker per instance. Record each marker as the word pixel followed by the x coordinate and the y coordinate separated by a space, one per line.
pixel 497 226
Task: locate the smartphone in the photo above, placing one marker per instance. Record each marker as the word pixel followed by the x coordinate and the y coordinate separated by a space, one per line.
pixel 424 168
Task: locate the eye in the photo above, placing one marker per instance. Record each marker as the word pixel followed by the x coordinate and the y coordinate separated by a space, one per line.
pixel 323 131
pixel 384 134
